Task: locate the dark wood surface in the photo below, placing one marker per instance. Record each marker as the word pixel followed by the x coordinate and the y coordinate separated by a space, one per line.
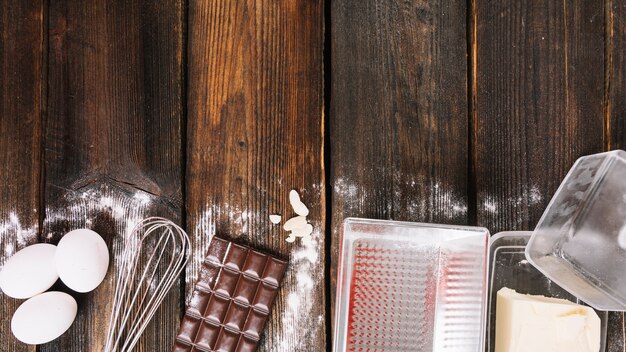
pixel 615 119
pixel 255 131
pixel 208 113
pixel 398 119
pixel 22 102
pixel 538 85
pixel 113 132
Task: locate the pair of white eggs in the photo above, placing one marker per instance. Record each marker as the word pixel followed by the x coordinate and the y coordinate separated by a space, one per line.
pixel 80 260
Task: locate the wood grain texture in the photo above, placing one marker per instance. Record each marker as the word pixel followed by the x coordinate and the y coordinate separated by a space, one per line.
pixel 615 122
pixel 615 112
pixel 398 120
pixel 616 333
pixel 21 100
pixel 255 131
pixel 538 84
pixel 113 152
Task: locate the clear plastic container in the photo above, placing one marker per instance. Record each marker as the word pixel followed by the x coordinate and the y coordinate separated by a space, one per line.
pixel 411 287
pixel 580 242
pixel 508 267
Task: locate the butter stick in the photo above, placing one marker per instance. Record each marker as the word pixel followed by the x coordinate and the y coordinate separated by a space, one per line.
pixel 527 323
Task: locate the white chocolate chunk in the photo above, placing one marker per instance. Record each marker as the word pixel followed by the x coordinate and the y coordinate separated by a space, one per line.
pixel 297 205
pixel 303 232
pixel 295 223
pixel 300 209
pixel 294 197
pixel 275 219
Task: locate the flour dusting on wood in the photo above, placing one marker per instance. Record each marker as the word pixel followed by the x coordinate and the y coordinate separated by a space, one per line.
pixel 529 196
pixel 439 203
pixel 304 278
pixel 14 235
pixel 346 189
pixel 108 210
pixel 201 236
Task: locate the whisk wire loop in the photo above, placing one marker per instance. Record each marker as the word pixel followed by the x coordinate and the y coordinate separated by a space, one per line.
pixel 138 296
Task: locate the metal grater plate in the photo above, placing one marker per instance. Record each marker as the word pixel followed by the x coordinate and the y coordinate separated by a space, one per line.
pixel 410 287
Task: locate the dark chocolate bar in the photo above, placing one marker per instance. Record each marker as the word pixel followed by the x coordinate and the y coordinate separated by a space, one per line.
pixel 231 300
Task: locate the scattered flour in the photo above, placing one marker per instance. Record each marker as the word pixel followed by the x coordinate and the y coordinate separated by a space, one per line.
pixel 344 188
pixel 203 232
pixel 450 206
pixel 529 196
pixel 440 204
pixel 490 206
pixel 299 323
pixel 99 206
pixel 15 236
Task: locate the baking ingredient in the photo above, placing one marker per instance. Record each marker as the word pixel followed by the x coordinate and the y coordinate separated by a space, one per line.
pixel 303 232
pixel 527 323
pixel 232 299
pixel 275 219
pixel 298 225
pixel 29 272
pixel 44 317
pixel 297 205
pixel 82 260
pixel 297 222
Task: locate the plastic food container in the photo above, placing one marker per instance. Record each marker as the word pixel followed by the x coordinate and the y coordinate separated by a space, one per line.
pixel 508 267
pixel 411 287
pixel 580 242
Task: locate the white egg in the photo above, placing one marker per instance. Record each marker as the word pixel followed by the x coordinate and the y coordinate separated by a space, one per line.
pixel 44 317
pixel 82 260
pixel 30 271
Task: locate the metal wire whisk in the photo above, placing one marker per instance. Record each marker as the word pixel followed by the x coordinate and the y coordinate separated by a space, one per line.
pixel 155 253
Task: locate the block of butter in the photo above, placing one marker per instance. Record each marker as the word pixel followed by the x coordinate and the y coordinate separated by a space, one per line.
pixel 527 323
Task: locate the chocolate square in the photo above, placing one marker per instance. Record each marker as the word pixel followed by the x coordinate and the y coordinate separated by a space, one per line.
pixel 236 316
pixel 255 324
pixel 181 347
pixel 246 344
pixel 198 303
pixel 227 342
pixel 246 290
pixel 255 264
pixel 226 282
pixel 189 327
pixel 274 271
pixel 217 308
pixel 235 257
pixel 208 275
pixel 264 297
pixel 207 335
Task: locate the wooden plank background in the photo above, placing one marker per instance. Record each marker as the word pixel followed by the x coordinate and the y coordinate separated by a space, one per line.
pixel 113 152
pixel 615 119
pixel 208 113
pixel 255 131
pixel 22 102
pixel 398 119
